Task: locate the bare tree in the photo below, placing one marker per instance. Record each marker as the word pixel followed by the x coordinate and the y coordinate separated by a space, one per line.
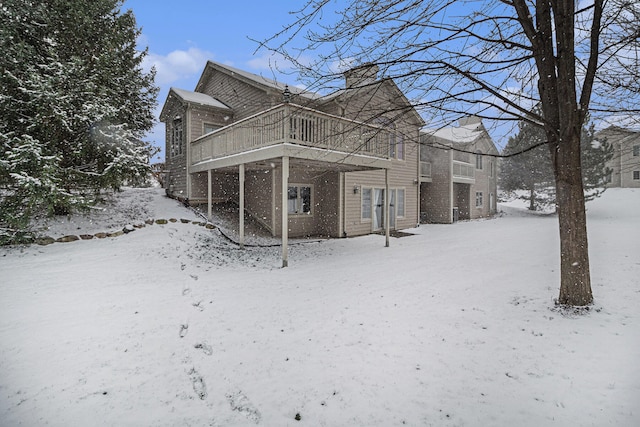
pixel 495 59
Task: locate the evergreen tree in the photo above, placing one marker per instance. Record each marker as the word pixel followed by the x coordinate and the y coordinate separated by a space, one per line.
pixel 74 106
pixel 529 165
pixel 530 168
pixel 595 156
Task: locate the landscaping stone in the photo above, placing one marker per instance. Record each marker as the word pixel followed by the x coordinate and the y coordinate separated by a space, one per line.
pixel 46 240
pixel 86 236
pixel 161 221
pixel 69 238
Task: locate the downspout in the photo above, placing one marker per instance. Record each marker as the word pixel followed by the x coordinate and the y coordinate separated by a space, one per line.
pixel 451 186
pixel 342 221
pixel 187 140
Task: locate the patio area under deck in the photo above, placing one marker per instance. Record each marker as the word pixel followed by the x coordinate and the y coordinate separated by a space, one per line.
pixel 289 135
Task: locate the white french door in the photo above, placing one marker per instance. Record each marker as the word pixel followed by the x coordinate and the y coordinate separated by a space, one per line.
pixel 377 222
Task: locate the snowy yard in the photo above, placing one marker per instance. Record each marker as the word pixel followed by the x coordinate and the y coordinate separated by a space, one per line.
pixel 171 325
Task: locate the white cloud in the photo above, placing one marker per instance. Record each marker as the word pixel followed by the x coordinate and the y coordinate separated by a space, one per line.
pixel 177 65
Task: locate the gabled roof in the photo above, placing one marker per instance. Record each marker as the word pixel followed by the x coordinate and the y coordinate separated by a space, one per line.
pixel 618 134
pixel 189 97
pixel 470 131
pixel 386 82
pixel 199 98
pixel 254 80
pixel 460 135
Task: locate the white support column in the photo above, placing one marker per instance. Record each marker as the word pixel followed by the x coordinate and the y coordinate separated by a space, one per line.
pixel 284 211
pixel 241 185
pixel 209 194
pixel 387 202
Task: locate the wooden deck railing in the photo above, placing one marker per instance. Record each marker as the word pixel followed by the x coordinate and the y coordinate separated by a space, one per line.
pixel 290 123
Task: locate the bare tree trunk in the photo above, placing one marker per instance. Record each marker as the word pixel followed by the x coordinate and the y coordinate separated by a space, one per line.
pixel 575 279
pixel 532 199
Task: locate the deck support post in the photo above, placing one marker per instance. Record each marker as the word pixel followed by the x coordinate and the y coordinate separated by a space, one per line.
pixel 284 211
pixel 209 195
pixel 241 203
pixel 387 202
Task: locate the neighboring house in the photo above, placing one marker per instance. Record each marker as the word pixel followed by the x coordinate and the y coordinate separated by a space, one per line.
pixel 458 178
pixel 625 163
pixel 328 161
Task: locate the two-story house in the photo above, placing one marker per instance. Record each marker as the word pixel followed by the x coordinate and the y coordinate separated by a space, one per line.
pixel 458 176
pixel 625 163
pixel 300 163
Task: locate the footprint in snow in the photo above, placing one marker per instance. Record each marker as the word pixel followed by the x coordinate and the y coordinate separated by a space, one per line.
pixel 183 330
pixel 206 348
pixel 241 403
pixel 199 385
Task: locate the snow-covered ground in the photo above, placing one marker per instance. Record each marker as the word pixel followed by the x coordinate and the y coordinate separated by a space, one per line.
pixel 172 325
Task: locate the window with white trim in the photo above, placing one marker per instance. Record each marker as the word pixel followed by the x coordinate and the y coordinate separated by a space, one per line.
pixel 400 202
pixel 478 160
pixel 365 203
pixel 636 150
pixel 177 143
pixel 636 175
pixel 478 199
pixel 299 199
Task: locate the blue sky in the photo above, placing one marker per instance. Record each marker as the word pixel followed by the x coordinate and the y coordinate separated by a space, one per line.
pixel 182 36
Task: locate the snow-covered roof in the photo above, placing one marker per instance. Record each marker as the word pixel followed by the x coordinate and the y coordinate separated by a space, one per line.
pixel 462 134
pixel 266 81
pixel 199 98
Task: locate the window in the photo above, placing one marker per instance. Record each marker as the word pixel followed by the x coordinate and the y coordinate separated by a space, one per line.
pixel 366 203
pixel 478 160
pixel 299 200
pixel 400 202
pixel 636 150
pixel 392 145
pixel 490 169
pixel 479 199
pixel 177 145
pixel 208 127
pixel 636 175
pixel 396 146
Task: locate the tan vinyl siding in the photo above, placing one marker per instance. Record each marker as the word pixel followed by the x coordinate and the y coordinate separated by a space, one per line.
pixel 327 190
pixel 176 167
pixel 258 196
pixel 402 175
pixel 245 100
pixel 201 115
pixel 435 197
pixel 325 202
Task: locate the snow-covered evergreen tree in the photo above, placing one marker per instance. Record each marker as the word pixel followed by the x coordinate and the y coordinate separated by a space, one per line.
pixel 529 168
pixel 75 104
